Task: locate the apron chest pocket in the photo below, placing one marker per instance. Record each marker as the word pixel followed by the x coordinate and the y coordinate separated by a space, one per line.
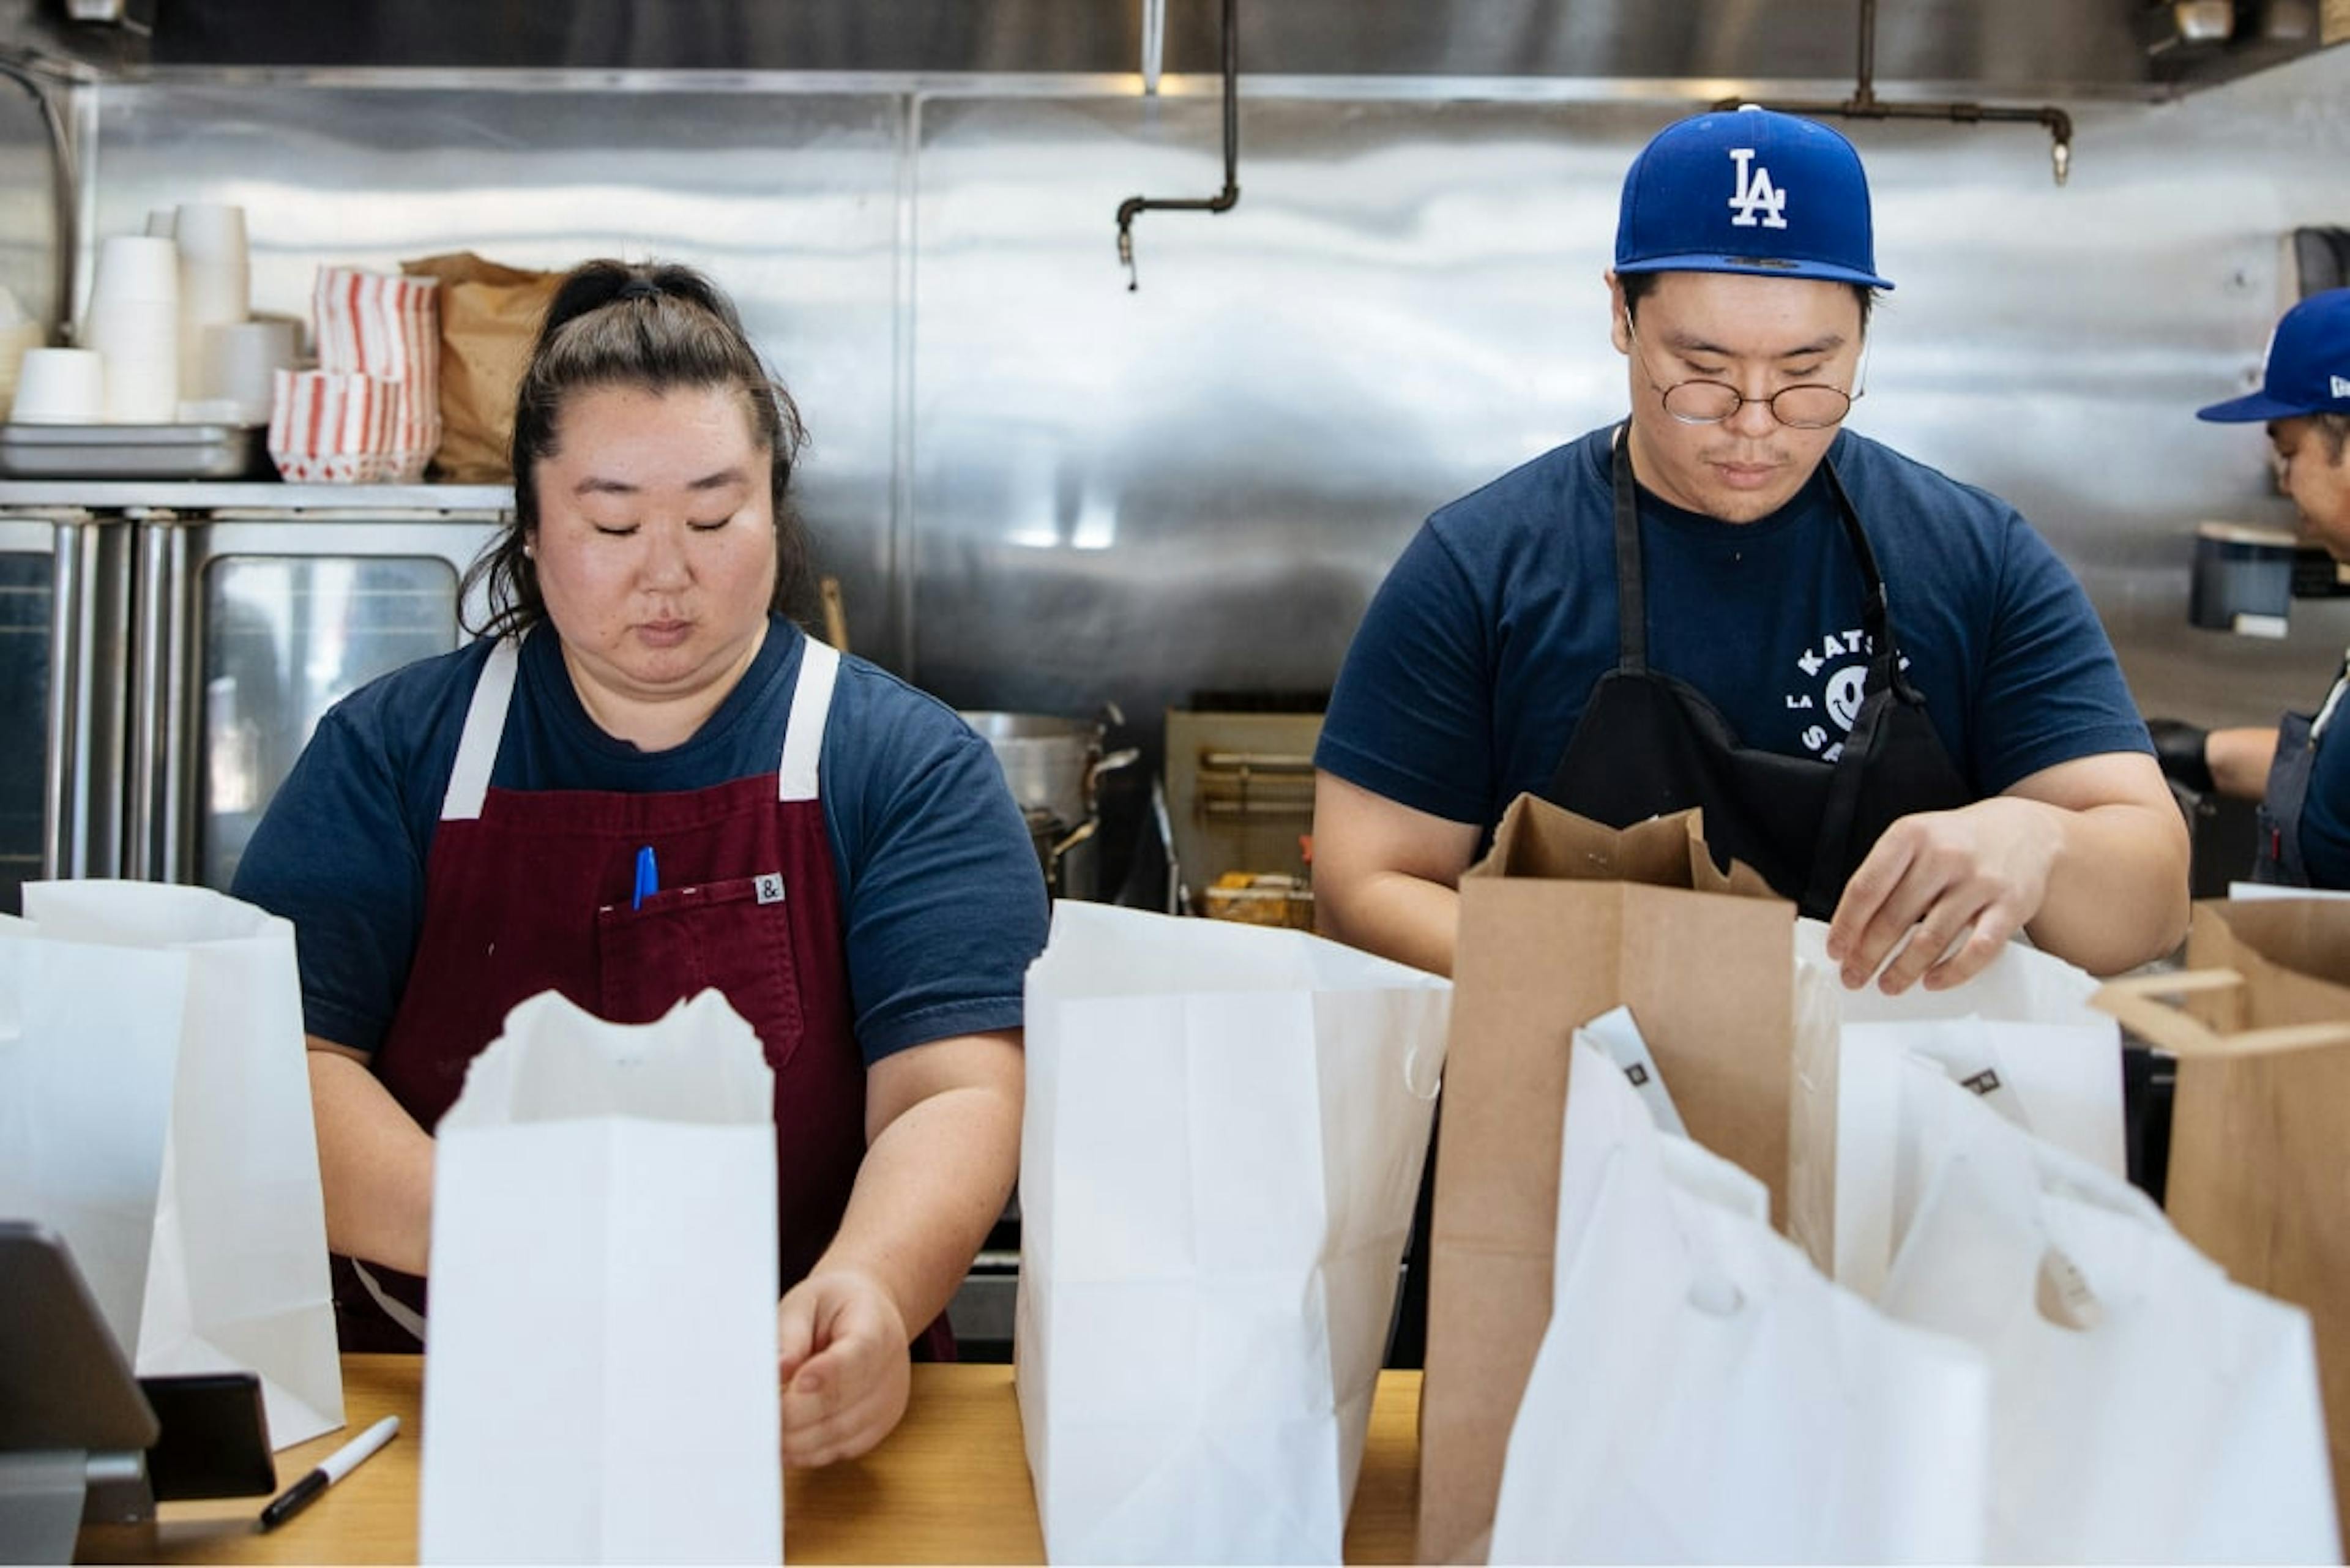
pixel 734 935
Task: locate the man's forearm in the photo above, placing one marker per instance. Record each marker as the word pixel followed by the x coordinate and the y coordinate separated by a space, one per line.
pixel 2239 761
pixel 1394 915
pixel 2116 895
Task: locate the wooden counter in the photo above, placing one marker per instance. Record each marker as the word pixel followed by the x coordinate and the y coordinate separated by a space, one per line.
pixel 950 1485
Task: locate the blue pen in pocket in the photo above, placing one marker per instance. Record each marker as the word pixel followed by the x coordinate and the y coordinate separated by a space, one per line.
pixel 647 880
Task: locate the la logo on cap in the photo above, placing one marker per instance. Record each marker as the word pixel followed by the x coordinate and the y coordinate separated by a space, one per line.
pixel 1756 194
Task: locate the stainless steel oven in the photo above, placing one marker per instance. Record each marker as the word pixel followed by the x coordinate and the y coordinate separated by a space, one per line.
pixel 65 620
pixel 251 625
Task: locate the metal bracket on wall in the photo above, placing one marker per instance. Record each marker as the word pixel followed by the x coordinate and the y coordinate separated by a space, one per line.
pixel 1224 201
pixel 65 199
pixel 1864 104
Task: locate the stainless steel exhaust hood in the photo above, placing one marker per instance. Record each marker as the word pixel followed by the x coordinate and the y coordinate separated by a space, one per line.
pixel 2002 47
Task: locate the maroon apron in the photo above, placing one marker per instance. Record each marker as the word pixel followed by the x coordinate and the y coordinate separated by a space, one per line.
pixel 531 890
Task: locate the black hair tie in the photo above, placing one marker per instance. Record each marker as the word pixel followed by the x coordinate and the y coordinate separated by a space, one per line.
pixel 637 288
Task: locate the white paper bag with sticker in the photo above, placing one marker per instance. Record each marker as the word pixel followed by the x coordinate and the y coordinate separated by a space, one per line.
pixel 1224 1135
pixel 2144 1409
pixel 2021 1036
pixel 601 1385
pixel 1703 1395
pixel 155 1111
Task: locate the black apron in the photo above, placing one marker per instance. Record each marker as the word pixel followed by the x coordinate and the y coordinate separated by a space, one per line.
pixel 1648 744
pixel 2277 855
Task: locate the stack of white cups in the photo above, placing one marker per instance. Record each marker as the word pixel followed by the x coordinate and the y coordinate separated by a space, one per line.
pixel 215 285
pixel 135 322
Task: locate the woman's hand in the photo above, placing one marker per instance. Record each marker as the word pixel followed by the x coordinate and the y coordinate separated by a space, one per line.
pixel 842 1360
pixel 942 1126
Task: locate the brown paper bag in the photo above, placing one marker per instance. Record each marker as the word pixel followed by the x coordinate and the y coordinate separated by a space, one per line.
pixel 489 318
pixel 1563 920
pixel 2260 1133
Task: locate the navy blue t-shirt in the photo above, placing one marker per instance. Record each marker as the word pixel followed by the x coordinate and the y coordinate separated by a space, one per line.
pixel 940 894
pixel 1479 652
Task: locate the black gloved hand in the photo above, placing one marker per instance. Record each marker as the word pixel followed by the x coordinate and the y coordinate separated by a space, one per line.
pixel 2181 747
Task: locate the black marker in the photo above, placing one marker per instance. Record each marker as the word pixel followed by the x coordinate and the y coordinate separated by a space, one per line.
pixel 331 1468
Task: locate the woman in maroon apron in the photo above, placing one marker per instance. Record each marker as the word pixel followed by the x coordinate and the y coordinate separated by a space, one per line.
pixel 636 599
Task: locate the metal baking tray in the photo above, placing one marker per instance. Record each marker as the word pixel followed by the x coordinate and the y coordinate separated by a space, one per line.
pixel 132 452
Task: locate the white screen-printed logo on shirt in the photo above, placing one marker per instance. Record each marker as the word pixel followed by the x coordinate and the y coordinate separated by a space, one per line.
pixel 1755 194
pixel 1834 681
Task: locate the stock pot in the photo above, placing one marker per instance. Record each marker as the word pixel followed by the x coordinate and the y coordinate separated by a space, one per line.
pixel 1053 766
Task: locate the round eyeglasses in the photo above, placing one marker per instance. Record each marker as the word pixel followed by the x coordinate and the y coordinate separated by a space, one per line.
pixel 1810 406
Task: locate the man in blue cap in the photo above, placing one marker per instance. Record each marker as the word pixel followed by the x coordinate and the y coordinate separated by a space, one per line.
pixel 2303 786
pixel 1887 694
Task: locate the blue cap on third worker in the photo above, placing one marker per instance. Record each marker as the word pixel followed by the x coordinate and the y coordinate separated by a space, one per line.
pixel 2308 368
pixel 1749 191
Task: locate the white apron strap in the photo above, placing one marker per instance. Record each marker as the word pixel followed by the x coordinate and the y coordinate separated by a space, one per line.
pixel 486 721
pixel 399 1312
pixel 804 731
pixel 2332 701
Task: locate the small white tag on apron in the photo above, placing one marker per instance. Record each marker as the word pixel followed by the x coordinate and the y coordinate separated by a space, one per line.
pixel 1615 1036
pixel 769 888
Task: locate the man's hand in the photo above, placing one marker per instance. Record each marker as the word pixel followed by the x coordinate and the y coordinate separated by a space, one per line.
pixel 841 1357
pixel 1968 879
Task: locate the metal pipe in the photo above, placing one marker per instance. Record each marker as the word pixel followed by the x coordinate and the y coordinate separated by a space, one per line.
pixel 1154 45
pixel 65 844
pixel 1864 104
pixel 163 750
pixel 1865 72
pixel 1224 201
pixel 62 193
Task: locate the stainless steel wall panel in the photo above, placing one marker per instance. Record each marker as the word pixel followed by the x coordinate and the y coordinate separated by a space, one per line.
pixel 789 200
pixel 1044 491
pixel 1195 485
pixel 1130 496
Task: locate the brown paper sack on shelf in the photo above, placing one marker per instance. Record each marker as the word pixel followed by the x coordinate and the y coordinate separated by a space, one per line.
pixel 2259 1134
pixel 1563 920
pixel 489 318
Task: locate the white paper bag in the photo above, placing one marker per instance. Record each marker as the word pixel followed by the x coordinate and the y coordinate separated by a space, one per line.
pixel 601 1385
pixel 155 1111
pixel 1703 1395
pixel 2144 1409
pixel 2021 1034
pixel 1224 1133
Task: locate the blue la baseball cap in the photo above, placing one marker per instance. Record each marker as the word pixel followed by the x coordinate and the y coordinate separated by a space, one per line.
pixel 1749 191
pixel 2308 369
